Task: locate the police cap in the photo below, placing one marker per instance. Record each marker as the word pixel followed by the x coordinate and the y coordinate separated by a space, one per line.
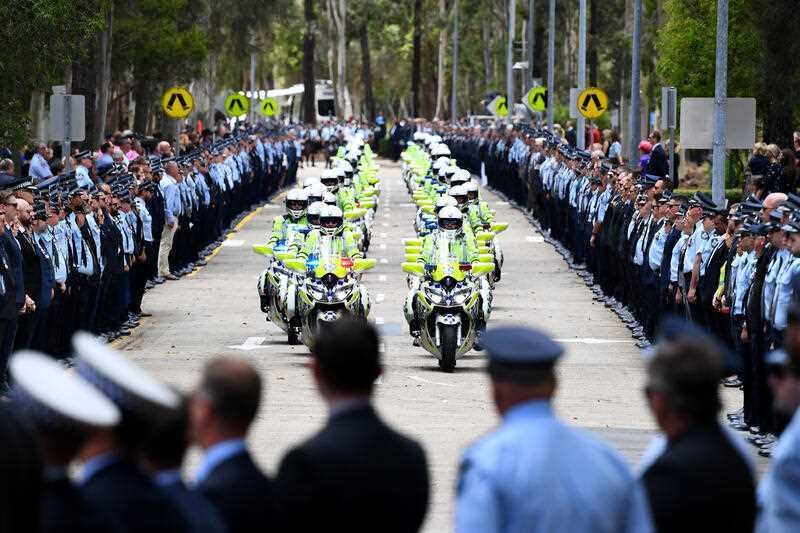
pixel 519 354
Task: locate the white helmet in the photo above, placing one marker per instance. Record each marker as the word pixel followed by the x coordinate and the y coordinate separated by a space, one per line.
pixel 444 201
pixel 451 221
pixel 472 192
pixel 331 220
pixel 310 180
pixel 296 203
pixel 439 150
pixel 314 211
pixel 331 179
pixel 460 194
pixel 442 161
pixel 314 192
pixel 347 168
pixel 460 176
pixel 329 198
pixel 419 136
pixel 436 139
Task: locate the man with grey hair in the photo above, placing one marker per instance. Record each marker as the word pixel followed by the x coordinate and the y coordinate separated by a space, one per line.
pixel 172 210
pixel 701 480
pixel 40 168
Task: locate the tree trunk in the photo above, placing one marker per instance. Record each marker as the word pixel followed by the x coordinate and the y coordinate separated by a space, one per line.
pixel 487 55
pixel 36 109
pixel 309 84
pixel 366 71
pixel 440 73
pixel 103 80
pixel 416 60
pixel 593 41
pixel 339 11
pixel 143 103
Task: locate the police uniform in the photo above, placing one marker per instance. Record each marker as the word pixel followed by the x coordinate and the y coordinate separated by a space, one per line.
pixel 60 406
pixel 534 473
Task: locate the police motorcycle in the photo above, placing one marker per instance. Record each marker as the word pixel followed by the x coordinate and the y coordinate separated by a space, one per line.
pixel 447 308
pixel 481 219
pixel 329 268
pixel 333 180
pixel 277 283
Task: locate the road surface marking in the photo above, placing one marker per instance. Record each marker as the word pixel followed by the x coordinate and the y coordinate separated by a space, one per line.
pixel 251 343
pixel 385 224
pixel 379 320
pixel 382 277
pixel 233 243
pixel 423 380
pixel 382 246
pixel 380 297
pixel 534 238
pixel 383 235
pixel 384 260
pixel 591 340
pixel 216 250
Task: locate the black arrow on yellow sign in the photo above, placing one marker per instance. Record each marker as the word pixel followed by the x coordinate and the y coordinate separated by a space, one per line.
pixel 540 96
pixel 236 102
pixel 269 107
pixel 591 98
pixel 179 98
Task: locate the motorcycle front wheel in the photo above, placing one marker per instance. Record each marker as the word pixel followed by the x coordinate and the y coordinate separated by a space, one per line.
pixel 448 336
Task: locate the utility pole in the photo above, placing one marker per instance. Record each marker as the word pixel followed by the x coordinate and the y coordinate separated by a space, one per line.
pixel 531 37
pixel 512 12
pixel 634 116
pixel 581 133
pixel 551 63
pixel 253 98
pixel 720 105
pixel 454 90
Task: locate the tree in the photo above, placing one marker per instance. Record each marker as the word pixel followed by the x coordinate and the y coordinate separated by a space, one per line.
pixel 440 70
pixel 309 82
pixel 37 47
pixel 338 11
pixel 416 64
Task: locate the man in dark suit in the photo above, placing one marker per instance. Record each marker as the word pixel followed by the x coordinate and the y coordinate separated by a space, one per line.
pixel 356 472
pixel 657 165
pixel 701 481
pixel 31 273
pixel 223 408
pixel 163 454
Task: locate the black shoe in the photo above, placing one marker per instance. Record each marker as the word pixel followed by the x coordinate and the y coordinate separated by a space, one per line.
pixel 159 280
pixel 171 277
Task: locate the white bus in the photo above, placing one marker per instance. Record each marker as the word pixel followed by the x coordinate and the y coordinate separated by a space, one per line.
pixel 291 101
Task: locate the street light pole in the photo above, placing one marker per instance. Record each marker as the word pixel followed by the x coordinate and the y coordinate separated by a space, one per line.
pixel 720 105
pixel 634 118
pixel 454 89
pixel 551 63
pixel 581 133
pixel 531 37
pixel 512 11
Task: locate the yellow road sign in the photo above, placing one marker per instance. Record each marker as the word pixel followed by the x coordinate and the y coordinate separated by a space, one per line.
pixel 592 102
pixel 269 107
pixel 536 99
pixel 236 105
pixel 498 107
pixel 177 102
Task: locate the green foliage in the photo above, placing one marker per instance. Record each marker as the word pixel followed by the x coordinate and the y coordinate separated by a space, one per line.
pixel 38 43
pixel 687 48
pixel 732 195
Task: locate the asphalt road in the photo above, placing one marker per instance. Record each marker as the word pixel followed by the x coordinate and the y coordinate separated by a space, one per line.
pixel 215 311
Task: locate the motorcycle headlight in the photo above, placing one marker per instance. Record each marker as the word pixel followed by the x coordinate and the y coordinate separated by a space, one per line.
pixel 462 292
pixel 435 293
pixel 343 291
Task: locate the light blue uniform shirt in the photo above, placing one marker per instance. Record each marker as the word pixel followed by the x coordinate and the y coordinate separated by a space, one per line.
pixel 39 169
pixel 783 292
pixel 217 454
pixel 147 219
pixel 744 265
pixel 82 177
pixel 657 248
pixel 47 241
pixel 674 262
pixel 535 474
pixel 771 281
pixel 172 199
pixel 779 490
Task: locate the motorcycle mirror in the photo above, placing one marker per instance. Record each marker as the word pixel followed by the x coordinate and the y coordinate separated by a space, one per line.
pixel 413 268
pixel 499 227
pixel 484 236
pixel 412 257
pixel 412 242
pixel 481 269
pixel 298 265
pixel 263 249
pixel 363 264
pixel 486 258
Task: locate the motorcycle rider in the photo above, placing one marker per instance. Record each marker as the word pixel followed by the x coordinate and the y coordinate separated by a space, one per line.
pixel 296 205
pixel 332 233
pixel 479 214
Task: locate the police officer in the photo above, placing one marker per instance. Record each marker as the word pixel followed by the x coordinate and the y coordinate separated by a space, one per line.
pixel 506 479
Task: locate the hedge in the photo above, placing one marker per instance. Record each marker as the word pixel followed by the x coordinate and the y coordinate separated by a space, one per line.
pixel 733 195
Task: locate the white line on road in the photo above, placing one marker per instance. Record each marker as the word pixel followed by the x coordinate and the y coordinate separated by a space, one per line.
pixel 382 277
pixel 423 380
pixel 591 340
pixel 250 343
pixel 384 260
pixel 383 235
pixel 534 238
pixel 233 243
pixel 382 246
pixel 380 297
pixel 385 224
pixel 379 320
